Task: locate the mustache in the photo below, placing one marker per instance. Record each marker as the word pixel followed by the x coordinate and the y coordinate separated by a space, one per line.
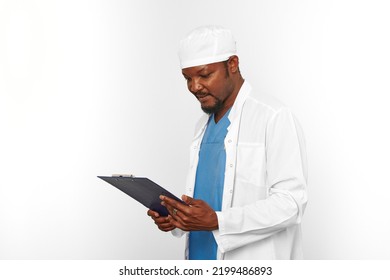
pixel 200 94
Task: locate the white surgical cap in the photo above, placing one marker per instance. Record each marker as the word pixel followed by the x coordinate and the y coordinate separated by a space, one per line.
pixel 205 45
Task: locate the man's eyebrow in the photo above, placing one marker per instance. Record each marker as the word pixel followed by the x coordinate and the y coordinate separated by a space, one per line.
pixel 202 69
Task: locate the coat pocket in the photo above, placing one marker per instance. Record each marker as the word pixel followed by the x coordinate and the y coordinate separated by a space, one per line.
pixel 251 162
pixel 250 177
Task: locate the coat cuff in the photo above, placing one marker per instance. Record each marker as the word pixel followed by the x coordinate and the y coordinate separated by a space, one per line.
pixel 177 232
pixel 218 234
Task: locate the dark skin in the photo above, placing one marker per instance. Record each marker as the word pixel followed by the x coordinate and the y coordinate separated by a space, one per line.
pixel 216 86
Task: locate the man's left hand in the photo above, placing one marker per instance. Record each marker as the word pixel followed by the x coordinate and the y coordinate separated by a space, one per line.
pixel 194 215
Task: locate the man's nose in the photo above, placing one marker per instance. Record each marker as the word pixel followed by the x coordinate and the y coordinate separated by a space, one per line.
pixel 195 86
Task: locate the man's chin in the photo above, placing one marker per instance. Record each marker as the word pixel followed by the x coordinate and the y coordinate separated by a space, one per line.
pixel 211 110
pixel 208 110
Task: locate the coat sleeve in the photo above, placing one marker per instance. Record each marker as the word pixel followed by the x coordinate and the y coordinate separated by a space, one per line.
pixel 177 232
pixel 286 179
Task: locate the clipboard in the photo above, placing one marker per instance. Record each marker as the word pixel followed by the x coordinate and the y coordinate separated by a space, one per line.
pixel 143 190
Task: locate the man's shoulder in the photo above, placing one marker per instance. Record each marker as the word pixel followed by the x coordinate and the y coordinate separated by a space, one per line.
pixel 266 101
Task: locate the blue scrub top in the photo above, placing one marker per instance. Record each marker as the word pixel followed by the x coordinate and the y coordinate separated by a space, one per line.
pixel 210 176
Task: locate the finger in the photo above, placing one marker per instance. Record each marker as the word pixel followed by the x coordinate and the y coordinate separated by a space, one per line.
pixel 174 213
pixel 187 199
pixel 152 214
pixel 161 220
pixel 169 208
pixel 174 204
pixel 164 224
pixel 167 228
pixel 177 222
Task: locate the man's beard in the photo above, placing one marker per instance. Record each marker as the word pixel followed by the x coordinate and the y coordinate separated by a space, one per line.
pixel 218 105
pixel 214 109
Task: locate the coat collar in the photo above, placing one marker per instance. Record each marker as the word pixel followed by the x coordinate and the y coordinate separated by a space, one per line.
pixel 239 102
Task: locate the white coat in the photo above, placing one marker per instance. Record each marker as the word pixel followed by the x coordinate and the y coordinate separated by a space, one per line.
pixel 264 194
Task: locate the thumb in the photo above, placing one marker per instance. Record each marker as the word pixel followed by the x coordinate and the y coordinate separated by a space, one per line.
pixel 187 199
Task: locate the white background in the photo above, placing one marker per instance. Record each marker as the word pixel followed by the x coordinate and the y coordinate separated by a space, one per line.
pixel 93 88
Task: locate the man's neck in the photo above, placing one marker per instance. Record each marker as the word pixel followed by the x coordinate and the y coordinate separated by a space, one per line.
pixel 218 115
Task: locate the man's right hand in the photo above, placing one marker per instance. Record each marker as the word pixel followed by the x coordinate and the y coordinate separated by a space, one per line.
pixel 163 223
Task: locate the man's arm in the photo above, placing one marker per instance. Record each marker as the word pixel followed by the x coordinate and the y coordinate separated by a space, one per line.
pixel 286 179
pixel 238 226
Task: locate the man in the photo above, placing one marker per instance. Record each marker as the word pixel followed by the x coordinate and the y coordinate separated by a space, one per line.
pixel 246 188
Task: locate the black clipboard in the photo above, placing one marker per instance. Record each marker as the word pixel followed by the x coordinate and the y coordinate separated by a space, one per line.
pixel 143 190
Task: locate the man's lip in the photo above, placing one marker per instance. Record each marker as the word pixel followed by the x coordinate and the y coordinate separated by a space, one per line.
pixel 199 96
pixel 202 97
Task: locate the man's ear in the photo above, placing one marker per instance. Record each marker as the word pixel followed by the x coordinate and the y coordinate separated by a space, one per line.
pixel 233 64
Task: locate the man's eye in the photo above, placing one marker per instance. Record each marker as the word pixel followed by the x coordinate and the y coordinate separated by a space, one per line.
pixel 205 76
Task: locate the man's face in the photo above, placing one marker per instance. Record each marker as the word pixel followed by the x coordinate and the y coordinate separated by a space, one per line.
pixel 211 84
